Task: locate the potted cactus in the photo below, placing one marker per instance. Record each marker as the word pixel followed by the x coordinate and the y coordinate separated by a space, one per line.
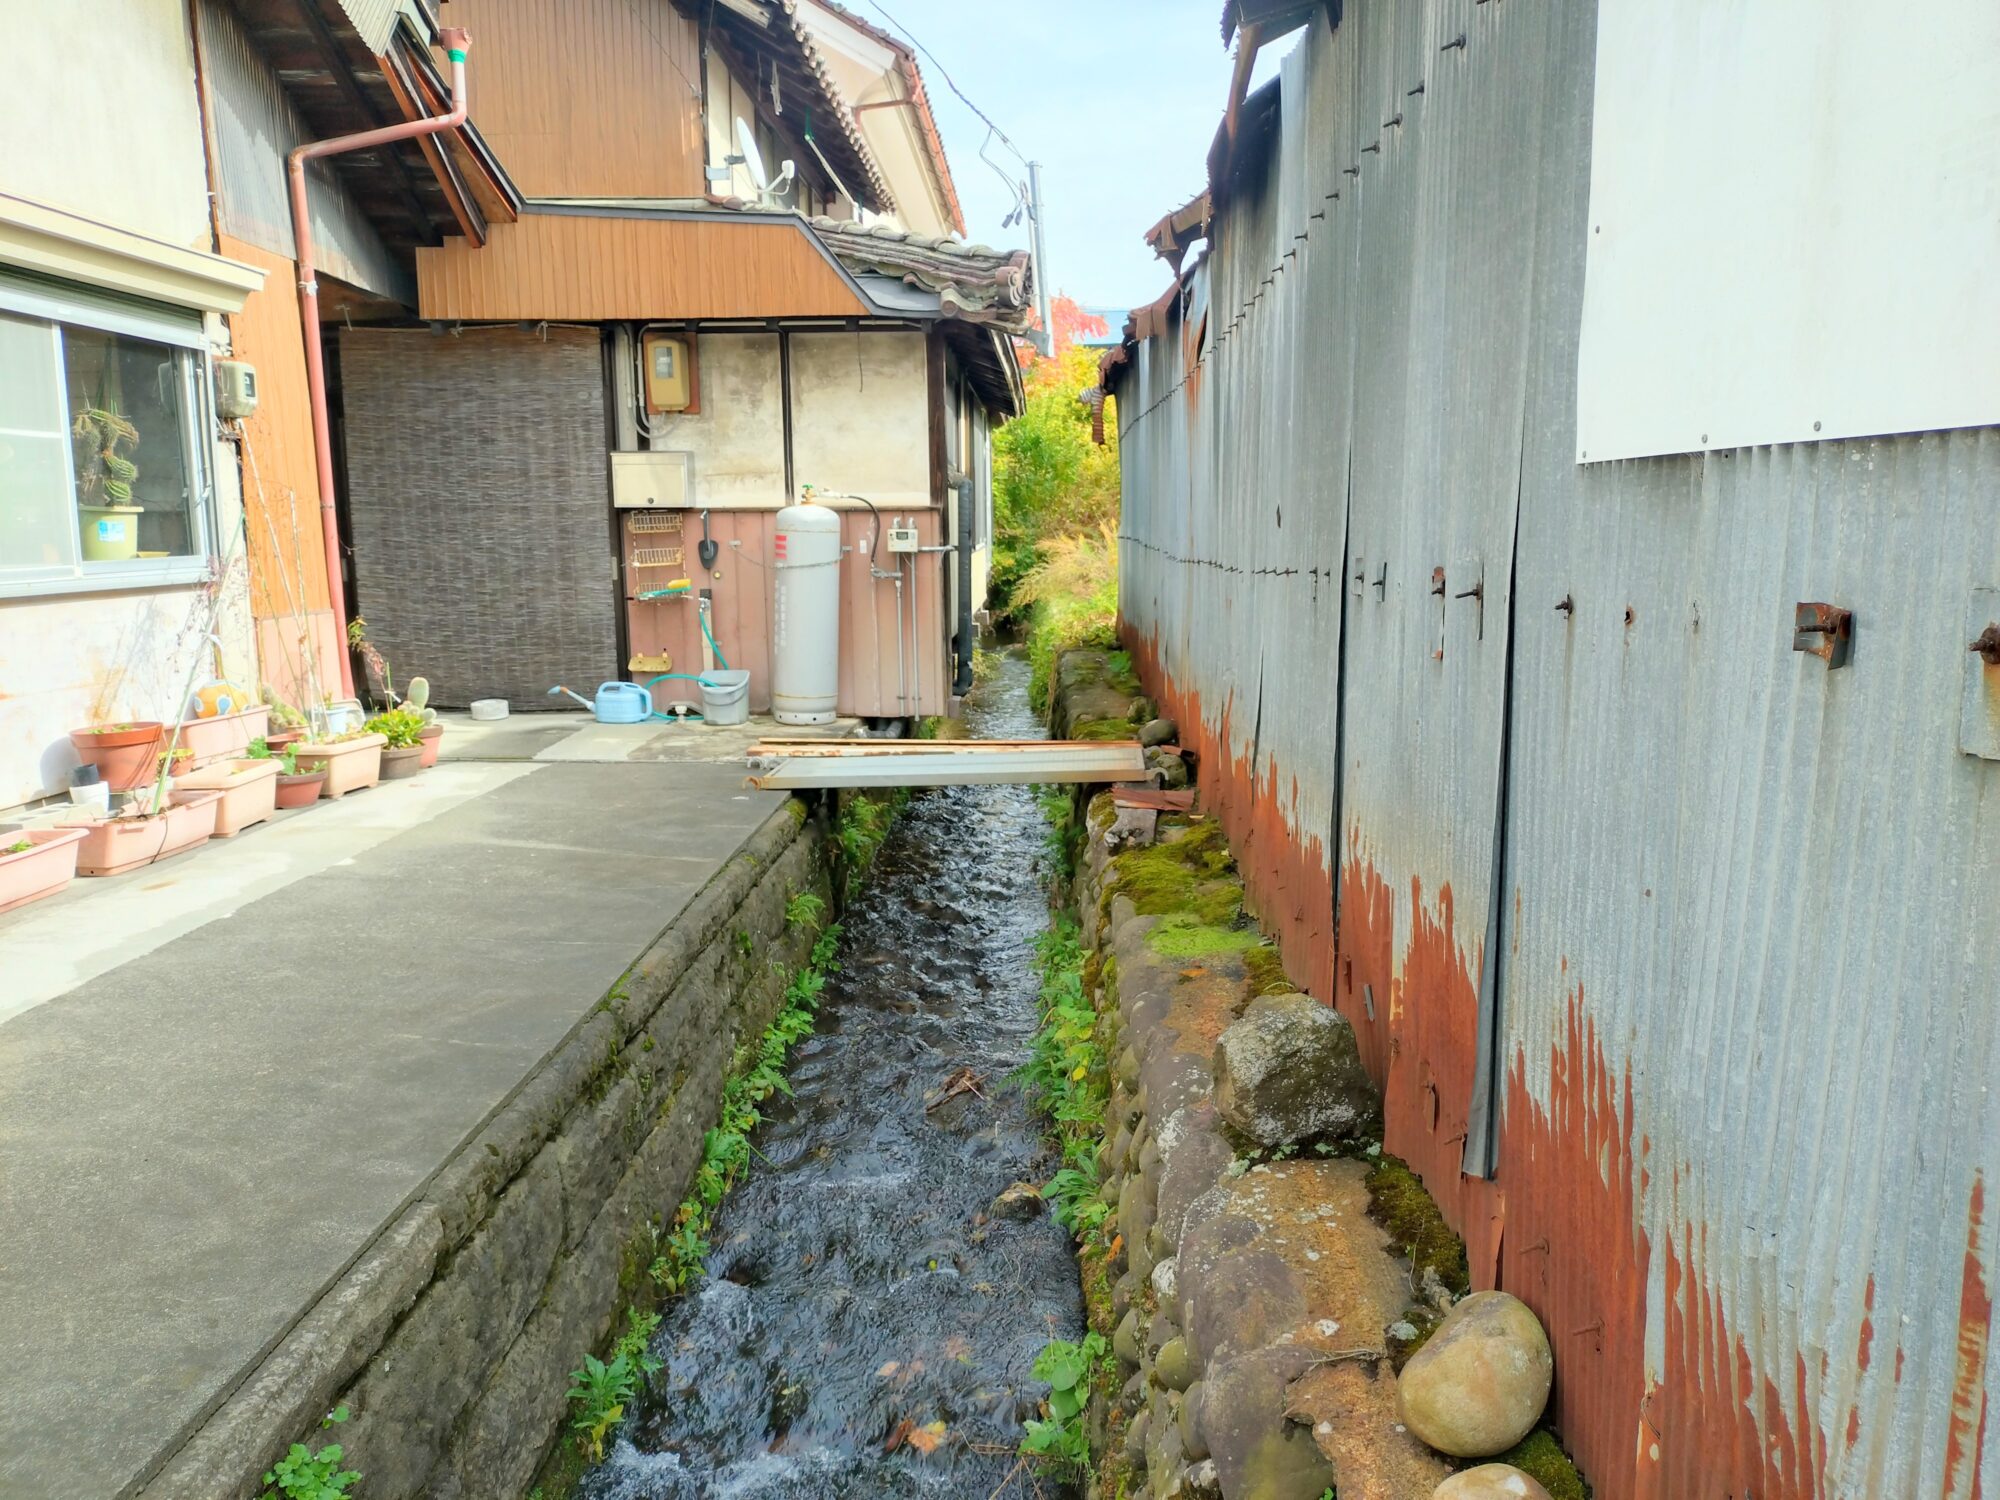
pixel 418 700
pixel 104 479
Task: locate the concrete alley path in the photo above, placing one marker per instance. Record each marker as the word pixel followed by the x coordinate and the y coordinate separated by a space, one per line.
pixel 222 1078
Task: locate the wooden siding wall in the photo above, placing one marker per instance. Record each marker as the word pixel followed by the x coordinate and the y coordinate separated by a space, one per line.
pixel 280 479
pixel 741 616
pixel 588 98
pixel 591 267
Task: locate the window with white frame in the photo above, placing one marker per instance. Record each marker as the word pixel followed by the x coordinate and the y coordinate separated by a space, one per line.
pixel 104 482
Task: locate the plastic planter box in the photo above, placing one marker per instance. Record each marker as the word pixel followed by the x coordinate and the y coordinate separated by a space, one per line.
pixel 226 735
pixel 40 871
pixel 111 846
pixel 350 764
pixel 249 791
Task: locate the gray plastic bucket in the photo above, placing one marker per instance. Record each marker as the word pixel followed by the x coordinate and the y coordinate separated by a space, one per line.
pixel 725 697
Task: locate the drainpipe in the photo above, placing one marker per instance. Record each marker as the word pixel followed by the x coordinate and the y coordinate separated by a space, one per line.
pixel 962 684
pixel 457 43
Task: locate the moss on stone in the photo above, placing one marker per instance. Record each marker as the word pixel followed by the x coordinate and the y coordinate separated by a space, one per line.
pixel 1541 1458
pixel 1267 971
pixel 1185 935
pixel 1101 729
pixel 1188 871
pixel 1397 1199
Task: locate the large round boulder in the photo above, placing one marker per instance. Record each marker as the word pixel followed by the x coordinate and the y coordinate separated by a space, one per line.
pixel 1490 1482
pixel 1479 1385
pixel 1289 1070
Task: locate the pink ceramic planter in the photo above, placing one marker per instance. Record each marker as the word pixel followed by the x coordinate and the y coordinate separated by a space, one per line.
pixel 111 846
pixel 350 764
pixel 40 871
pixel 211 740
pixel 249 792
pixel 432 740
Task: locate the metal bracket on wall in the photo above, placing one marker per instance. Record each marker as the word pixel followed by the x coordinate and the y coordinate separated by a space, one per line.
pixel 1825 631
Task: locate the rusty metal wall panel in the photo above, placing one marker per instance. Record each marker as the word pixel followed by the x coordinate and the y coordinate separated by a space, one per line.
pixel 253 125
pixel 1747 989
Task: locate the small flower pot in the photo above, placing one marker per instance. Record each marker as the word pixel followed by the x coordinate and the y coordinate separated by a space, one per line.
pixel 124 754
pixel 111 846
pixel 225 735
pixel 249 792
pixel 302 790
pixel 277 739
pixel 400 761
pixel 350 765
pixel 40 871
pixel 431 739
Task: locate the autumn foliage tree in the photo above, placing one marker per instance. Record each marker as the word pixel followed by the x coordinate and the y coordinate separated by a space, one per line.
pixel 1055 500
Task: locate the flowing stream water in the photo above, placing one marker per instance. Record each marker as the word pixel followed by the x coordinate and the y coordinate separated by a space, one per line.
pixel 857 1295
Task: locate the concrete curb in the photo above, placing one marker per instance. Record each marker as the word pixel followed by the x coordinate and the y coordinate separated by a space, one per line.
pixel 505 1265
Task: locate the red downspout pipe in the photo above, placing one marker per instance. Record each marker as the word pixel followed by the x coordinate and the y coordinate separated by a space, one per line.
pixel 457 43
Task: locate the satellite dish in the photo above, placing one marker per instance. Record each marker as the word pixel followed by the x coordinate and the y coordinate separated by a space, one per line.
pixel 769 193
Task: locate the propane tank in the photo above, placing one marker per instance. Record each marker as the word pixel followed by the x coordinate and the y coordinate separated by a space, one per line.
pixel 805 626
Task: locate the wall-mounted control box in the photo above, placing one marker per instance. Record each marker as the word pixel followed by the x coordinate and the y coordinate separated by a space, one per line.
pixel 902 536
pixel 235 389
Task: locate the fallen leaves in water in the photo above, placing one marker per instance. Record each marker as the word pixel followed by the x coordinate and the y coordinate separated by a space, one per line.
pixel 907 1434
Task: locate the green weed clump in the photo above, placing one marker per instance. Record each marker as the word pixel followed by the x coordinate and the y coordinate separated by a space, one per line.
pixel 303 1474
pixel 1062 1442
pixel 1069 1080
pixel 1397 1199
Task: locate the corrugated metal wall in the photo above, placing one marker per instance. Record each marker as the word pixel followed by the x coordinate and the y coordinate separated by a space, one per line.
pixel 478 494
pixel 254 125
pixel 1738 951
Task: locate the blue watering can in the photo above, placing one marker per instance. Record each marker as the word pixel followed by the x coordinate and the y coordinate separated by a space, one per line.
pixel 616 702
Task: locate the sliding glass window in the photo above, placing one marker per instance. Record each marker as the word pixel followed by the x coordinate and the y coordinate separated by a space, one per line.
pixel 104 481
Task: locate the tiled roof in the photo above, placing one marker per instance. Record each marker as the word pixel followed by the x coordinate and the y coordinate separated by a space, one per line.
pixel 973 282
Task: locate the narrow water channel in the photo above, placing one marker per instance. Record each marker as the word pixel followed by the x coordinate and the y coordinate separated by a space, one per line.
pixel 860 1306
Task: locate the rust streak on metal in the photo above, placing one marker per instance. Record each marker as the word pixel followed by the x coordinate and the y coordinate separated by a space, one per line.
pixel 1965 1434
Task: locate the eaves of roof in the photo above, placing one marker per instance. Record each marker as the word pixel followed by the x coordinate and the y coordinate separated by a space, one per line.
pixel 783 41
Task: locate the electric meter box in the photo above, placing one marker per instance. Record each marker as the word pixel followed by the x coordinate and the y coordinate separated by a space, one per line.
pixel 235 389
pixel 668 359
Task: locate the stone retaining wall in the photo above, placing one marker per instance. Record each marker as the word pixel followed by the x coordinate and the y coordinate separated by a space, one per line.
pixel 1260 1312
pixel 451 1338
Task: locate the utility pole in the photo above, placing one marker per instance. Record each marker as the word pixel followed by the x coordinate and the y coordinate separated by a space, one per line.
pixel 1045 338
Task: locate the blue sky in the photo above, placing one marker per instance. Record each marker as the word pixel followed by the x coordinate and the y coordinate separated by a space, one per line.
pixel 1118 99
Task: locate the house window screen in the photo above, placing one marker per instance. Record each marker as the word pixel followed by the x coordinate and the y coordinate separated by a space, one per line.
pixel 102 483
